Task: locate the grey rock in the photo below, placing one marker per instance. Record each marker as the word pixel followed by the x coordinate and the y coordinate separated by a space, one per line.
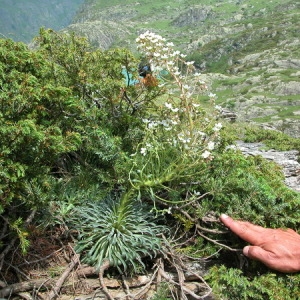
pixel 192 15
pixel 288 160
pixel 288 63
pixel 228 115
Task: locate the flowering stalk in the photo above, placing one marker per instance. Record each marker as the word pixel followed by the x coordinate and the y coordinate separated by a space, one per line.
pixel 163 57
pixel 179 136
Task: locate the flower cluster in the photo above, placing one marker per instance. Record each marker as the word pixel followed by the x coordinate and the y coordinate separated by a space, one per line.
pixel 161 53
pixel 163 57
pixel 179 121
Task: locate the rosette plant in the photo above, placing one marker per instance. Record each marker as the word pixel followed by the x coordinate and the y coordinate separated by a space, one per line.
pixel 121 231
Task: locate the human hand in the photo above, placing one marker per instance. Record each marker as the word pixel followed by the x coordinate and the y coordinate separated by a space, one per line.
pixel 278 249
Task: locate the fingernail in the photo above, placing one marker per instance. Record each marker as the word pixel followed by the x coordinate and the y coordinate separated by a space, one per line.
pixel 246 250
pixel 224 216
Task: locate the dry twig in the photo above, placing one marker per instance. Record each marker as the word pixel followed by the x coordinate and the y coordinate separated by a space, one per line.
pixel 55 290
pixel 105 265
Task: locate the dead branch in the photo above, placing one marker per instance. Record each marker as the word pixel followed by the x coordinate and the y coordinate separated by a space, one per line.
pixel 143 291
pixel 86 271
pixel 205 283
pixel 42 283
pixel 55 290
pixel 40 259
pixel 6 250
pixel 128 293
pixel 25 286
pixel 183 287
pixel 25 296
pixel 217 243
pixel 105 265
pixel 19 272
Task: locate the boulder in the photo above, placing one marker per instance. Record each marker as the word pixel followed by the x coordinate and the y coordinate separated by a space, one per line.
pixel 288 160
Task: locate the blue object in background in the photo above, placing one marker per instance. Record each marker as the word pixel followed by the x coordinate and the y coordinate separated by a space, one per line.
pixel 131 81
pixel 128 77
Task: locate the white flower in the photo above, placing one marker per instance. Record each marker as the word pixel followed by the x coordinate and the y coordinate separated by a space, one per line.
pixel 188 63
pixel 211 95
pixel 210 145
pixel 218 107
pixel 217 127
pixel 189 95
pixel 164 123
pixel 152 125
pixel 168 105
pixel 205 154
pixel 170 44
pixel 183 139
pixel 144 151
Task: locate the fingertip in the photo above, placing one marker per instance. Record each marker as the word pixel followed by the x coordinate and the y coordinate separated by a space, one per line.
pixel 224 216
pixel 225 219
pixel 246 251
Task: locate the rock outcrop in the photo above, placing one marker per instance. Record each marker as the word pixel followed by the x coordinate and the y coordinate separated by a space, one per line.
pixel 287 159
pixel 192 16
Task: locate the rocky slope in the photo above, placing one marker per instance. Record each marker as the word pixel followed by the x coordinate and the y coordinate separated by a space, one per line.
pixel 288 160
pixel 248 49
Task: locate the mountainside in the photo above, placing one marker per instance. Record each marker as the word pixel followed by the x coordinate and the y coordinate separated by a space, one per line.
pixel 20 20
pixel 248 49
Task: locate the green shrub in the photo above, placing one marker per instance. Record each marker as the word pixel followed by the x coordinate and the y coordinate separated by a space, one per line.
pixel 230 283
pixel 62 116
pixel 250 188
pixel 271 138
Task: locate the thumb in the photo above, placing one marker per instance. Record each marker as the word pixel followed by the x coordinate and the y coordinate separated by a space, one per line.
pixel 257 253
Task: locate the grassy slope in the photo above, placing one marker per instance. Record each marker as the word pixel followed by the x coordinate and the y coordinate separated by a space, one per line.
pixel 243 45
